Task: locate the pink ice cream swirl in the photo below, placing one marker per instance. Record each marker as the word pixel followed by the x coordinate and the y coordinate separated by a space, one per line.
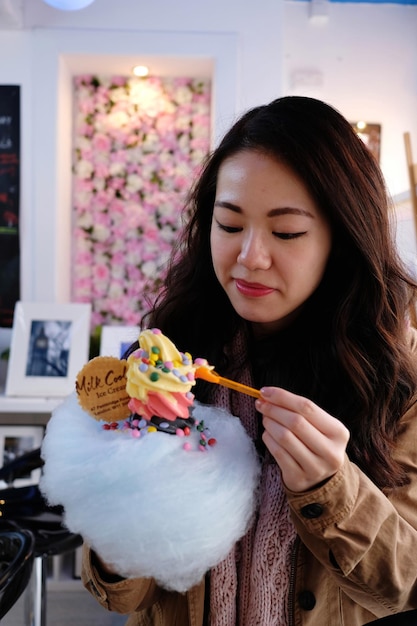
pixel 160 378
pixel 176 405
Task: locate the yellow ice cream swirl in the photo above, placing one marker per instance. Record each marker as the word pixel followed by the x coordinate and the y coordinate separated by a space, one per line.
pixel 158 366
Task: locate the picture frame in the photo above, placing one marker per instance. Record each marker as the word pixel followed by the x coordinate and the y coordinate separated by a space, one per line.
pixel 17 440
pixel 370 133
pixel 116 339
pixel 49 346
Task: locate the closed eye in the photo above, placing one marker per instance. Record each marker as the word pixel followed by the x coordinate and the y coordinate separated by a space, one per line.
pixel 237 229
pixel 229 229
pixel 287 236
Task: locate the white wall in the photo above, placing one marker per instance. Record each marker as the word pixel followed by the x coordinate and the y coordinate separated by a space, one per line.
pixel 364 56
pixel 363 60
pixel 256 25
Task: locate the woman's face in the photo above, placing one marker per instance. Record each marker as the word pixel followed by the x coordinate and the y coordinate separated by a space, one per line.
pixel 269 240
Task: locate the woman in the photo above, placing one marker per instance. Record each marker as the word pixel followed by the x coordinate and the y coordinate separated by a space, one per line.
pixel 288 255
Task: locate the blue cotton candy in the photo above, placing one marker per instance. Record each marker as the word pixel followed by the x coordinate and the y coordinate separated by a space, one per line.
pixel 146 506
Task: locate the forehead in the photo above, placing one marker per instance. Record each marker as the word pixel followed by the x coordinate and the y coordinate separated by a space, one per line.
pixel 258 165
pixel 255 178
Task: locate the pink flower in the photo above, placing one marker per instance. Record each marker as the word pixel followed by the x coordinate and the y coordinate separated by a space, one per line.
pixel 101 143
pixel 101 272
pixel 138 145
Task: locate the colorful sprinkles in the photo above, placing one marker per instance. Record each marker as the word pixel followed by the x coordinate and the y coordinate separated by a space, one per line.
pixel 149 363
pixel 152 361
pixel 139 427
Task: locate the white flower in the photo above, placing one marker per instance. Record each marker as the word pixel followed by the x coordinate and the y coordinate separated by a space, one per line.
pixel 115 290
pixel 166 233
pixel 117 246
pixel 183 95
pixel 199 131
pixel 151 142
pixel 85 220
pixel 83 93
pixel 135 155
pixel 82 199
pixel 82 143
pixel 149 269
pixel 119 94
pixel 117 169
pixel 99 184
pixel 100 124
pixel 84 271
pixel 134 183
pixel 169 107
pixel 118 271
pixel 182 168
pixel 83 245
pixel 183 123
pixel 101 232
pixel 118 119
pixel 197 157
pixel 184 143
pixel 84 169
pixel 164 208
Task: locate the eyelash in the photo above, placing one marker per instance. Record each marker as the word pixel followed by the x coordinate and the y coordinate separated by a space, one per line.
pixel 283 236
pixel 287 236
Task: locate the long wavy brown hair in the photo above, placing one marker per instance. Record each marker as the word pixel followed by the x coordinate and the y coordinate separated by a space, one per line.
pixel 348 349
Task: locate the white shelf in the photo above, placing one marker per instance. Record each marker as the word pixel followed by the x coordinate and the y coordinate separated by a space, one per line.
pixel 14 404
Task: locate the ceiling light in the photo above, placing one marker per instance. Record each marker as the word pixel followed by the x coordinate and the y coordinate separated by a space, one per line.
pixel 141 70
pixel 69 5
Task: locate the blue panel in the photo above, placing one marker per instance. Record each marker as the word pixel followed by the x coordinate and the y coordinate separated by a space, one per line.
pixel 405 2
pixel 377 1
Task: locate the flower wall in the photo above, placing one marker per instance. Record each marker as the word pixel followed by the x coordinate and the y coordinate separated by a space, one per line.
pixel 139 144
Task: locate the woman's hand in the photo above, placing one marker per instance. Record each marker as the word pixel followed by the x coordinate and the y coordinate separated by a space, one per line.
pixel 307 443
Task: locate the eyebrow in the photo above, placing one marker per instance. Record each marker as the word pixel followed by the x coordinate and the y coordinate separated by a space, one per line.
pixel 272 213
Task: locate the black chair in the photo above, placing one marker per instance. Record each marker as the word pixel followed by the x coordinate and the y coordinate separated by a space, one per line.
pixel 27 509
pixel 409 618
pixel 16 561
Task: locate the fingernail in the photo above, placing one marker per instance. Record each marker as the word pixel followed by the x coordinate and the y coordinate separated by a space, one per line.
pixel 266 391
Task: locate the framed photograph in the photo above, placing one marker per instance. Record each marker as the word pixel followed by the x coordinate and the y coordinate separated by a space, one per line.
pixel 50 344
pixel 115 340
pixel 370 135
pixel 17 440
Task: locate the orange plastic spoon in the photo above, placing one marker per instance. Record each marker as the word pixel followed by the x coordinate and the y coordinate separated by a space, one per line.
pixel 212 377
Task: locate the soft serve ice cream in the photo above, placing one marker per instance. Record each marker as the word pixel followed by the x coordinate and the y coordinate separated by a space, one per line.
pixel 154 383
pixel 160 377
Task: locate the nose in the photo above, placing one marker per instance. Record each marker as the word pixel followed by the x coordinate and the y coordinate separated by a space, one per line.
pixel 254 253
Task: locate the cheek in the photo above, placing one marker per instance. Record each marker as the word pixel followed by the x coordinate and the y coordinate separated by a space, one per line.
pixel 219 264
pixel 219 250
pixel 215 254
pixel 304 267
pixel 317 264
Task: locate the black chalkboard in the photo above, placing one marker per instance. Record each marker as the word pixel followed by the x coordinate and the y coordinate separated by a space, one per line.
pixel 9 201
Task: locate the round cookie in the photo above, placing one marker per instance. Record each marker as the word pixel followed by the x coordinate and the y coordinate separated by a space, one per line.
pixel 101 388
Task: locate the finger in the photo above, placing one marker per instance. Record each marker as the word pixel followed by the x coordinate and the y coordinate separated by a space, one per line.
pixel 300 468
pixel 294 432
pixel 315 453
pixel 296 405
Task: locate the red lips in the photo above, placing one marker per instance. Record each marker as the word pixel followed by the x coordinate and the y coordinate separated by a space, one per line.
pixel 252 290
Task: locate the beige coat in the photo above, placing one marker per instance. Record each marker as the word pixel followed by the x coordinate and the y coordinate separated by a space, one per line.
pixel 356 559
